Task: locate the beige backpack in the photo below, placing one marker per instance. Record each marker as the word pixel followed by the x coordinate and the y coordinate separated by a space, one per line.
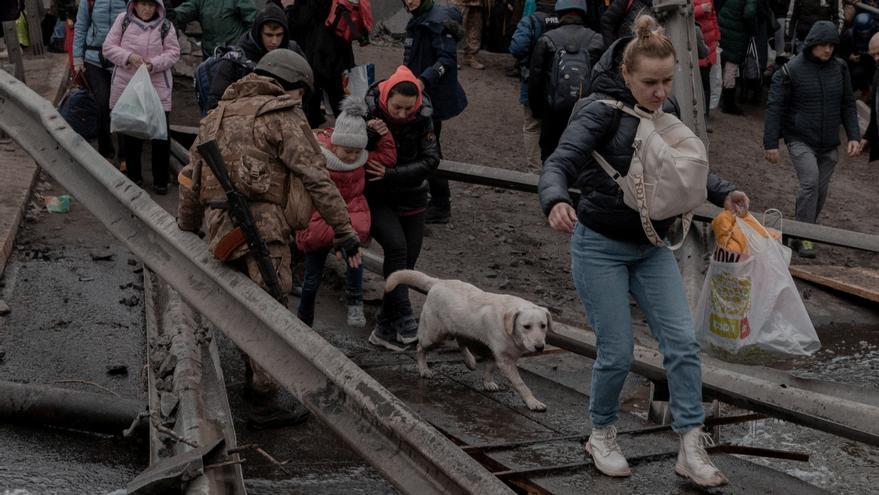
pixel 668 173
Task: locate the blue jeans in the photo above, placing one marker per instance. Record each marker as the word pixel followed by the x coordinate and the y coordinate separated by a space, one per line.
pixel 314 269
pixel 605 271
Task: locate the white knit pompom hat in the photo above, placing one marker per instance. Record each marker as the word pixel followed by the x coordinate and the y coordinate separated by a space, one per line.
pixel 350 127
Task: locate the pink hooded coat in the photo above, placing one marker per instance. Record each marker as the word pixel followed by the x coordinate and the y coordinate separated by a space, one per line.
pixel 145 39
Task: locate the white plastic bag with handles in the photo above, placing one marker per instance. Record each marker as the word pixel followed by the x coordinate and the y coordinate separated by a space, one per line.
pixel 750 310
pixel 138 111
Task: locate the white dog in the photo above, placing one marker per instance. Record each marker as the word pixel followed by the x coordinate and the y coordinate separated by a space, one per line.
pixel 508 326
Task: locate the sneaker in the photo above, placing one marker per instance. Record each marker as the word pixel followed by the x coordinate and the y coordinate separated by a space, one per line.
pixel 356 318
pixel 606 453
pixel 807 250
pixel 407 329
pixel 438 214
pixel 693 461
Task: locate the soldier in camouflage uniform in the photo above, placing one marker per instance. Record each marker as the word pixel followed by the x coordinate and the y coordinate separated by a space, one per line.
pixel 273 158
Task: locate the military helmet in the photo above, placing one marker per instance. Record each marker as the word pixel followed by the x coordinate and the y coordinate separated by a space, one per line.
pixel 580 5
pixel 863 23
pixel 286 66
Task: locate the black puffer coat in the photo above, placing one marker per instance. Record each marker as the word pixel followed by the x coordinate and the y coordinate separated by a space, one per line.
pixel 617 20
pixel 405 185
pixel 329 55
pixel 9 10
pixel 601 206
pixel 816 98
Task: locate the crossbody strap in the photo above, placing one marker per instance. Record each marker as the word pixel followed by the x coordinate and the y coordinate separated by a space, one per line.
pixel 639 188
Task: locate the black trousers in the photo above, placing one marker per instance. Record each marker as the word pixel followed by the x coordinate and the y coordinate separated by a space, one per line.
pixel 705 74
pixel 400 238
pixel 440 194
pixel 132 149
pixel 99 82
pixel 551 128
pixel 335 93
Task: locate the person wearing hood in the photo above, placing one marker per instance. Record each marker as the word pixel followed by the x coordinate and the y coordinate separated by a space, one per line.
pixel 397 195
pixel 269 32
pixel 271 154
pixel 142 36
pixel 430 52
pixel 222 21
pixel 611 257
pixel 92 24
pixel 344 147
pixel 810 97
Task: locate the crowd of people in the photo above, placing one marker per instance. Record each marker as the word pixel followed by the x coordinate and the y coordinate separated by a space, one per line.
pixel 371 175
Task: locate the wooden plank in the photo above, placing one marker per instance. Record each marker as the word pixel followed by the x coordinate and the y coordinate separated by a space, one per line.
pixel 525 182
pixel 519 181
pixel 860 282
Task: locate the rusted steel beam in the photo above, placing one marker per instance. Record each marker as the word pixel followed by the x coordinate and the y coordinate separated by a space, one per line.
pixel 66 408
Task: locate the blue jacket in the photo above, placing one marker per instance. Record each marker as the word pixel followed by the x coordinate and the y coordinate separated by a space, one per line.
pixel 591 127
pixel 430 52
pixel 92 27
pixel 524 40
pixel 815 98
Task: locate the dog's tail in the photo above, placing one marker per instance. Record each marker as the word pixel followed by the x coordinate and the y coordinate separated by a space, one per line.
pixel 415 279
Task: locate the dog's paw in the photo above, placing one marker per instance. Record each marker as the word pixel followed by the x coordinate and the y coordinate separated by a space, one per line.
pixel 491 386
pixel 425 373
pixel 536 405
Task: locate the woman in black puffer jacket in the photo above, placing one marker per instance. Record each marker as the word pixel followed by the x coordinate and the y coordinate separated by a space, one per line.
pixel 397 196
pixel 611 256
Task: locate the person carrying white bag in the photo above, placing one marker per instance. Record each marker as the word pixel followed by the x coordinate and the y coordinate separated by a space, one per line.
pixel 142 44
pixel 750 309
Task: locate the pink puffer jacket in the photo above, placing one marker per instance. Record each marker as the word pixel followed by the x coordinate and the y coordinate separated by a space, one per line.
pixel 145 39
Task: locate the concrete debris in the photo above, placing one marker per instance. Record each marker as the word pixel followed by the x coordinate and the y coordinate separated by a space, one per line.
pixel 168 403
pixel 4 308
pixel 102 256
pixel 132 262
pixel 168 365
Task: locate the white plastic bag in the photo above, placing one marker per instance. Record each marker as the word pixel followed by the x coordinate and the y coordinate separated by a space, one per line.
pixel 715 77
pixel 750 310
pixel 358 79
pixel 138 112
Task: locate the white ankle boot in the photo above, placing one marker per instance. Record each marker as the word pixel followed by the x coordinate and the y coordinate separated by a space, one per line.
pixel 605 452
pixel 693 461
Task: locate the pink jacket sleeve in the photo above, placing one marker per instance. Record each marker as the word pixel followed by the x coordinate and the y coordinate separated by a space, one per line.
pixel 170 53
pixel 112 48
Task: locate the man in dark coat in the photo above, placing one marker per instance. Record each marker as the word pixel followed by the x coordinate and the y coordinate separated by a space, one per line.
pixel 430 52
pixel 329 55
pixel 616 22
pixel 803 14
pixel 811 96
pixel 269 31
pixel 570 33
pixel 871 135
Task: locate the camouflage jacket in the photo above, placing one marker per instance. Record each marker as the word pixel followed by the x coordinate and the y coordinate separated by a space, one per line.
pixel 272 157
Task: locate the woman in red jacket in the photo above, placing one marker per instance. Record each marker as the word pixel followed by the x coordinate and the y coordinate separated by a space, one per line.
pixel 706 18
pixel 344 148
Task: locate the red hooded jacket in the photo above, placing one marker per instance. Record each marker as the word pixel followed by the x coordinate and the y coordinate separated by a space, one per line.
pixel 350 179
pixel 710 30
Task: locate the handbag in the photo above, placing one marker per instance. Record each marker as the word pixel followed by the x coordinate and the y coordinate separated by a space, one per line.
pixel 668 173
pixel 78 107
pixel 751 65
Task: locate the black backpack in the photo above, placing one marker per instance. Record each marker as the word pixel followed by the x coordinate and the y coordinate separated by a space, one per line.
pixel 571 70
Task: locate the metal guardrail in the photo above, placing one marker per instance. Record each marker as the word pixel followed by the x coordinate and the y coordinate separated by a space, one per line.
pixel 388 434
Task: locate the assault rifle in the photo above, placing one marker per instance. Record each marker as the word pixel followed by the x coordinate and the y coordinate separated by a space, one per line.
pixel 239 210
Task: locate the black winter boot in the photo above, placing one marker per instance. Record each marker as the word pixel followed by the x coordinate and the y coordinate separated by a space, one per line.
pixel 728 102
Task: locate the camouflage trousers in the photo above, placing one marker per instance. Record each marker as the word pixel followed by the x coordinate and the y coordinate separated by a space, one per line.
pixel 257 379
pixel 472 30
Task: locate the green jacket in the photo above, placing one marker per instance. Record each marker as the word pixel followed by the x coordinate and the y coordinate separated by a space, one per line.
pixel 222 21
pixel 736 29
